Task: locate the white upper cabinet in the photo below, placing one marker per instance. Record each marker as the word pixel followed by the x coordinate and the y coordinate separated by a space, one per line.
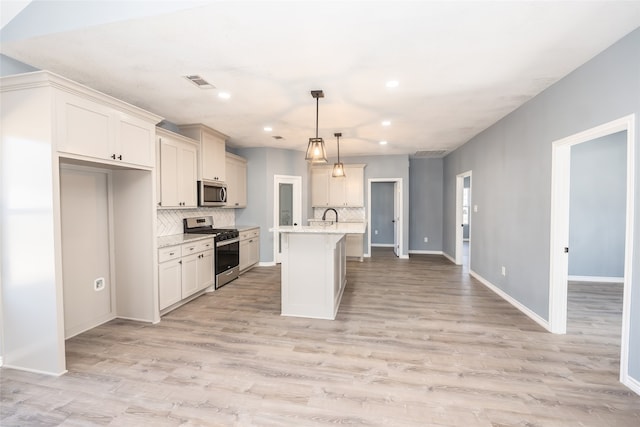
pixel 86 127
pixel 327 191
pixel 236 170
pixel 177 165
pixel 212 163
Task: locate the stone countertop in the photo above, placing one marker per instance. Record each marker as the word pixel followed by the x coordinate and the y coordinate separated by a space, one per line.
pixel 335 228
pixel 178 239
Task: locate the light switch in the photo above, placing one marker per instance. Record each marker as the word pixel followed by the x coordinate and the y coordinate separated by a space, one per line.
pixel 475 208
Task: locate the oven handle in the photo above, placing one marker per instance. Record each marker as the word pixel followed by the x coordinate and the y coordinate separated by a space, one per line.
pixel 227 242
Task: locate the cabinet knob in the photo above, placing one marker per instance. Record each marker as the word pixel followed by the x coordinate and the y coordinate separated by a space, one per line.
pixel 120 157
pixel 113 156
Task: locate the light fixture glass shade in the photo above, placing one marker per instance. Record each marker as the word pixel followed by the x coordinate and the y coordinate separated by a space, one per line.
pixel 338 170
pixel 316 153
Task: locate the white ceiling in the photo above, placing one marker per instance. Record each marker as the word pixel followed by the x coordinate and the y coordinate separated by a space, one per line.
pixel 461 66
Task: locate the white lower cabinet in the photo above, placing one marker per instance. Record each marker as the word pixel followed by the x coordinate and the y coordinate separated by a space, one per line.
pixel 184 270
pixel 249 248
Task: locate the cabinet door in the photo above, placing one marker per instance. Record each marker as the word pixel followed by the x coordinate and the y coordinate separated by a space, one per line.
pixel 168 169
pixel 189 275
pixel 135 141
pixel 354 186
pixel 244 254
pixel 319 187
pixel 205 269
pixel 254 250
pixel 236 173
pixel 170 283
pixel 83 127
pixel 187 176
pixel 337 194
pixel 213 157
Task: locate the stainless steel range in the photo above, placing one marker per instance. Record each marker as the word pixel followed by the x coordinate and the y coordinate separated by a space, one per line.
pixel 227 253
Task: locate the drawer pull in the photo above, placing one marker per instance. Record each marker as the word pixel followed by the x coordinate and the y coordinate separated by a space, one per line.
pixel 172 253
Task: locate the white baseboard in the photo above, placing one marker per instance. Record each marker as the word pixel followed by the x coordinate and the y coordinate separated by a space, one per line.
pixel 447 256
pixel 632 383
pixel 35 371
pixel 382 245
pixel 266 263
pixel 421 252
pixel 597 279
pixel 528 312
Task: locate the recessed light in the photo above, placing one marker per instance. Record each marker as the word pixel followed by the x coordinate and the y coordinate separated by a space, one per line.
pixel 383 142
pixel 392 83
pixel 224 95
pixel 386 123
pixel 268 128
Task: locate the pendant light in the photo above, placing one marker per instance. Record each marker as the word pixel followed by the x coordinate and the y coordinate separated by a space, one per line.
pixel 338 168
pixel 316 153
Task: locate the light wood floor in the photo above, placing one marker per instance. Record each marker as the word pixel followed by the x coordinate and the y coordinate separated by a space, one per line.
pixel 416 343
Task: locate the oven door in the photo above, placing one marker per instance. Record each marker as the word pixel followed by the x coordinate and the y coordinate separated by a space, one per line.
pixel 227 261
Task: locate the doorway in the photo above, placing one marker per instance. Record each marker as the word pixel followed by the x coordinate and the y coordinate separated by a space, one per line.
pixel 560 226
pixel 463 219
pixel 287 207
pixel 387 208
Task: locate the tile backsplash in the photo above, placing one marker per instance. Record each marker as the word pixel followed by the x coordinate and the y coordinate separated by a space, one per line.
pixel 344 214
pixel 170 220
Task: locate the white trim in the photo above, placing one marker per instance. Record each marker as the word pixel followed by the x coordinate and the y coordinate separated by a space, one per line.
pixel 559 230
pixel 398 201
pixel 266 264
pixel 525 310
pixel 459 229
pixel 35 371
pixel 632 383
pixel 597 279
pixel 382 245
pixel 423 252
pixel 449 257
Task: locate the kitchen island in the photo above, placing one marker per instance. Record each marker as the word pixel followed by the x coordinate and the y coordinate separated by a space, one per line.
pixel 313 271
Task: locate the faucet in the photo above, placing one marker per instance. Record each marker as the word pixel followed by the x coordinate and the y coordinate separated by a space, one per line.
pixel 324 215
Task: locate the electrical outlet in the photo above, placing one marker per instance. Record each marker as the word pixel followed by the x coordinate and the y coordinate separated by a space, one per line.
pixel 426 239
pixel 375 231
pixel 98 284
pixel 504 270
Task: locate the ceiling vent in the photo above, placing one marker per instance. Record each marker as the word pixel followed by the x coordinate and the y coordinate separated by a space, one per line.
pixel 200 82
pixel 430 153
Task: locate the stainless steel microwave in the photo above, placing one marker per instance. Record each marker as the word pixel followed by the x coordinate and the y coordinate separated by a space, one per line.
pixel 212 193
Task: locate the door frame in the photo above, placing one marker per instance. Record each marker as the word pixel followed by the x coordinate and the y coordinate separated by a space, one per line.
pixel 559 232
pixel 459 205
pixel 398 211
pixel 296 181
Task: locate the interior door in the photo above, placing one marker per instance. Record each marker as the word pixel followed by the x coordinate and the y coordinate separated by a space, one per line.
pixel 287 207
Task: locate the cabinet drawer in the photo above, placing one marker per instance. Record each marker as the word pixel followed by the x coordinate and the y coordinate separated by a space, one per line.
pixel 190 248
pixel 248 234
pixel 169 253
pixel 204 245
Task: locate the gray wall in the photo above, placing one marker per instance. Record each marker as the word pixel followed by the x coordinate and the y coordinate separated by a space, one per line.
pixel 425 190
pixel 382 213
pixel 10 66
pixel 262 165
pixel 598 207
pixel 511 164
